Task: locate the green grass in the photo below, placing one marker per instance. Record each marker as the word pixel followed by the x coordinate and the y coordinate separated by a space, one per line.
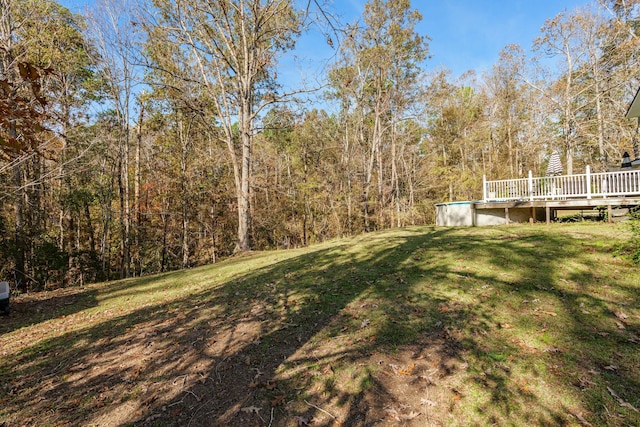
pixel 518 325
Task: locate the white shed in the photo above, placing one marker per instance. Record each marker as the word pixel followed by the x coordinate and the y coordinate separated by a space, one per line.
pixel 454 214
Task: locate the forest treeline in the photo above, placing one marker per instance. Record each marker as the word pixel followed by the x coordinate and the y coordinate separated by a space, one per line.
pixel 152 135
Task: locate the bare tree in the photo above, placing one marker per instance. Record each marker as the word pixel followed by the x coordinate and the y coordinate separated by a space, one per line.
pixel 567 37
pixel 116 38
pixel 376 80
pixel 234 45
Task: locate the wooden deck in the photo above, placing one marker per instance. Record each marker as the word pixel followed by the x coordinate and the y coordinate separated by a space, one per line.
pixel 566 192
pixel 552 206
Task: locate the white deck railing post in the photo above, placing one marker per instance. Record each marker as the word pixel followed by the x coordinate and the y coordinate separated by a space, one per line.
pixel 588 182
pixel 531 186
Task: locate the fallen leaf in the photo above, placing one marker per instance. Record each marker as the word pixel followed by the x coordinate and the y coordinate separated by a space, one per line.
pixel 456 394
pixel 278 400
pixel 327 370
pixel 620 315
pixel 620 400
pixel 302 421
pixel 149 400
pixel 251 409
pixel 258 373
pixel 365 323
pixel 506 326
pixel 393 413
pixel 408 371
pixel 582 420
pixel 611 367
pixel 428 402
pixel 270 385
pixel 411 415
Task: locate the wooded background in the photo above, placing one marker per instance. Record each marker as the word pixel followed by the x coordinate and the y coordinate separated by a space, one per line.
pixel 194 151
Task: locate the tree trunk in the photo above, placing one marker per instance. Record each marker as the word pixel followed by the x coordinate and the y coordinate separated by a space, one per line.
pixel 137 261
pixel 126 238
pixel 213 234
pixel 185 236
pixel 600 122
pixel 105 244
pixel 510 145
pixel 368 178
pixel 244 214
pixel 395 187
pixel 183 137
pixel 19 254
pixel 346 167
pixel 7 72
pixel 569 147
pixel 165 226
pixel 92 238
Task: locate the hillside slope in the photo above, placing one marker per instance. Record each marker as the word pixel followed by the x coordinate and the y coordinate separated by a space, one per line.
pixel 522 325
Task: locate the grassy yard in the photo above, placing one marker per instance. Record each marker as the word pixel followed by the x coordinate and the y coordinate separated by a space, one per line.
pixel 518 325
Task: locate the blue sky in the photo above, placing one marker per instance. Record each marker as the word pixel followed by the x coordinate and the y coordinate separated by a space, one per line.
pixel 469 34
pixel 465 34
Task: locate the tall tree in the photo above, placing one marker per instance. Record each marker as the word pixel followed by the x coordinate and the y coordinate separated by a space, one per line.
pixel 117 39
pixel 235 45
pixel 563 37
pixel 58 44
pixel 9 139
pixel 505 89
pixel 620 68
pixel 377 77
pixel 43 65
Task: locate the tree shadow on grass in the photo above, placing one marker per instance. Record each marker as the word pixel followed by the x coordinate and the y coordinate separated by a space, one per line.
pixel 555 314
pixel 400 326
pixel 35 308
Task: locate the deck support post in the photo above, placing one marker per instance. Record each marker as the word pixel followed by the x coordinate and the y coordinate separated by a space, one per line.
pixel 547 210
pixel 609 214
pixel 506 216
pixel 532 215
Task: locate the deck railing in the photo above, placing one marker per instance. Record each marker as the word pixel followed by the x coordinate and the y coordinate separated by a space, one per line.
pixel 580 186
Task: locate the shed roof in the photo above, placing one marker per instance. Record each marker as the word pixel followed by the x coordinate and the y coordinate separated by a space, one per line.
pixel 634 108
